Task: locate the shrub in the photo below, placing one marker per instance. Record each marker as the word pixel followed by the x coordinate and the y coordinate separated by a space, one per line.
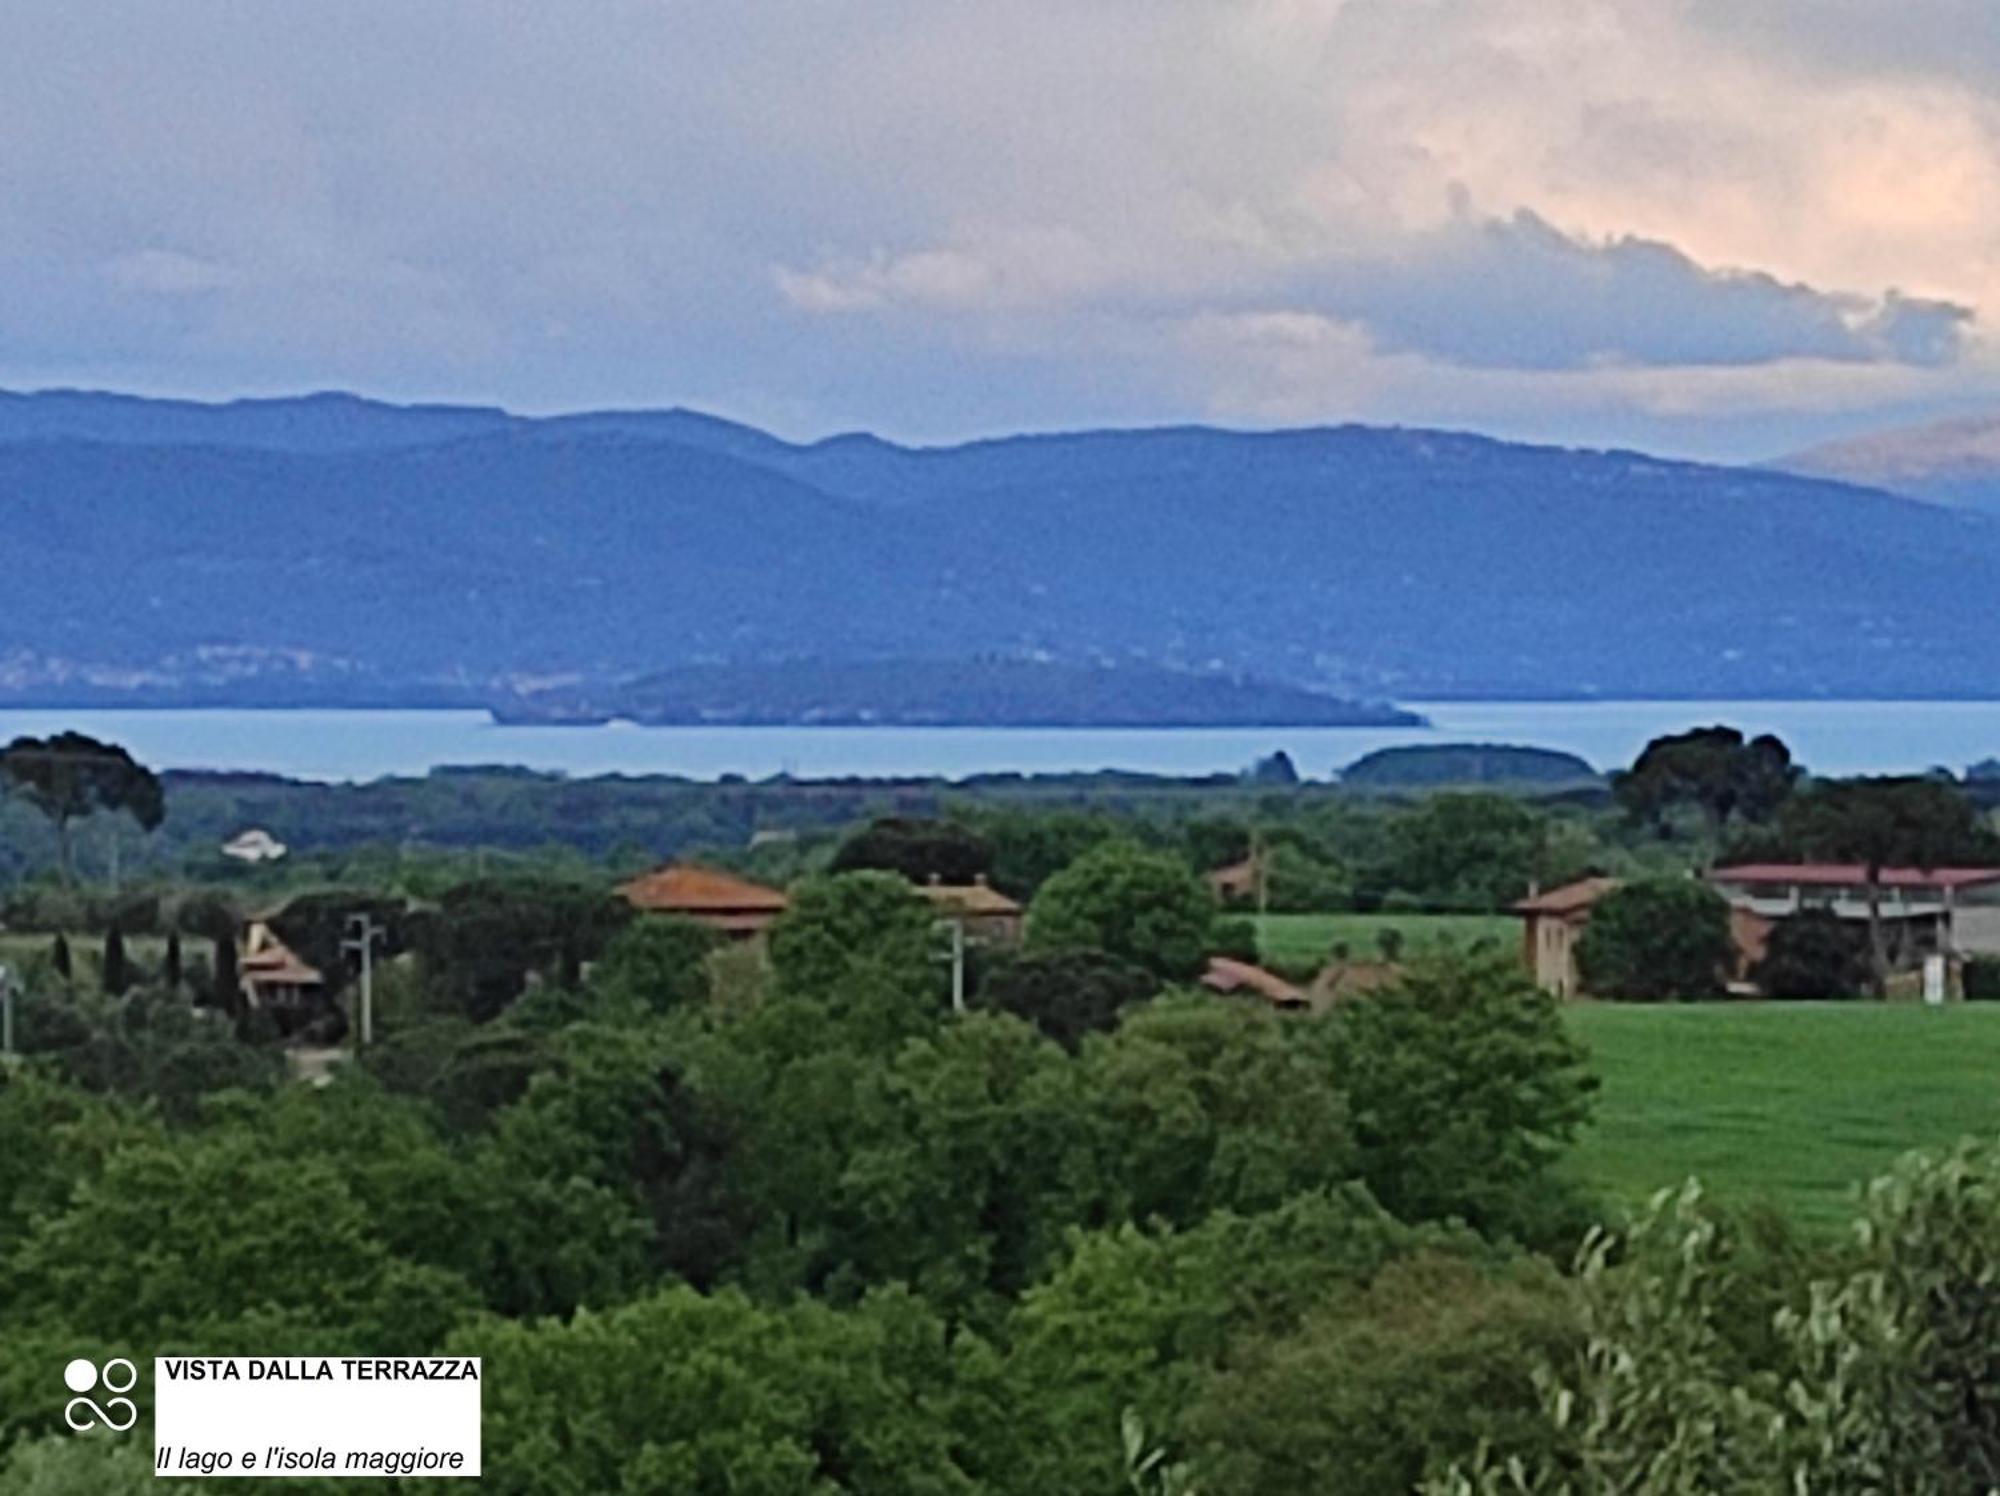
pixel 1236 939
pixel 1464 1086
pixel 1813 953
pixel 1067 994
pixel 1982 979
pixel 1144 907
pixel 1657 940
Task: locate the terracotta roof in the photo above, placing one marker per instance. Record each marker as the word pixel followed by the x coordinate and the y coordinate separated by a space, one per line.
pixel 270 960
pixel 685 888
pixel 969 898
pixel 1569 899
pixel 1854 875
pixel 1225 975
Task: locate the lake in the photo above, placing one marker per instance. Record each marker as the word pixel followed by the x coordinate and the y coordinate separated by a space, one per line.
pixel 1832 737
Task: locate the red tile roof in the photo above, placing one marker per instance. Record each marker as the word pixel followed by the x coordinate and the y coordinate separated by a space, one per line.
pixel 683 888
pixel 1854 875
pixel 1225 975
pixel 969 898
pixel 1568 899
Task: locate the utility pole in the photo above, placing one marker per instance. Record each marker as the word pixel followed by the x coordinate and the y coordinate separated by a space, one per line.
pixel 957 960
pixel 362 933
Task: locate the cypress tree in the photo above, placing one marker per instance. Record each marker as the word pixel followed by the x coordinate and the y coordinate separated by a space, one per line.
pixel 227 984
pixel 116 977
pixel 59 958
pixel 171 970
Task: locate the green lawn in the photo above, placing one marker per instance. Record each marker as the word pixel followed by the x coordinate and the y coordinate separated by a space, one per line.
pixel 20 950
pixel 1794 1103
pixel 1300 939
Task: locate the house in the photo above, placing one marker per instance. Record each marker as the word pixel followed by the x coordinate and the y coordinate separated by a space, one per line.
pixel 273 977
pixel 736 907
pixel 1241 978
pixel 1551 925
pixel 254 846
pixel 982 911
pixel 1238 883
pixel 1952 911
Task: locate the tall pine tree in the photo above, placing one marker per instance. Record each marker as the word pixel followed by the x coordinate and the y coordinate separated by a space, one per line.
pixel 117 977
pixel 228 983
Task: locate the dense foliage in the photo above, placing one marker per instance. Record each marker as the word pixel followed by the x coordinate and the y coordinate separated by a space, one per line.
pixel 1660 939
pixel 769 1218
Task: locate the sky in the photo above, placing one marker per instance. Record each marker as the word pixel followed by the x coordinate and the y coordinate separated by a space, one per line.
pixel 1715 228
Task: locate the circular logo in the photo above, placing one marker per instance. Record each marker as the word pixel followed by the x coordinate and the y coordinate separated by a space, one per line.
pixel 81 1375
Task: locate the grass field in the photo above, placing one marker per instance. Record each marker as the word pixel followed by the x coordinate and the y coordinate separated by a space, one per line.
pixel 1301 939
pixel 1794 1103
pixel 21 950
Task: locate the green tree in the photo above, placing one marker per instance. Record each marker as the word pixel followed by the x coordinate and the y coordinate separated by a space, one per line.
pixel 1813 954
pixel 1465 1087
pixel 978 1155
pixel 616 1110
pixel 1658 939
pixel 227 993
pixel 657 963
pixel 63 1465
pixel 1141 1319
pixel 219 1242
pixel 1207 1106
pixel 117 975
pixel 170 965
pixel 487 937
pixel 1711 769
pixel 1882 823
pixel 1067 994
pixel 1710 1363
pixel 855 929
pixel 1389 1381
pixel 917 849
pixel 149 1046
pixel 717 1396
pixel 1030 847
pixel 1143 907
pixel 69 776
pixel 1466 851
pixel 1297 882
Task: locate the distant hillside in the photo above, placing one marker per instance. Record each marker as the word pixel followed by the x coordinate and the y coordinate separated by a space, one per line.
pixel 1946 462
pixel 1428 766
pixel 337 550
pixel 1004 693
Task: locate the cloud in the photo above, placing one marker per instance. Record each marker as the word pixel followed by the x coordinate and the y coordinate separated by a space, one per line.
pixel 1517 293
pixel 1506 293
pixel 940 218
pixel 166 272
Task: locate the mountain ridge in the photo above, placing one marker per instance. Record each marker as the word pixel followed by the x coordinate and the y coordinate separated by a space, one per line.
pixel 1954 462
pixel 499 552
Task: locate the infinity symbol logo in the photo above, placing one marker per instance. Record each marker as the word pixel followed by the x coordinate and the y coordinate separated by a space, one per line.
pixel 80 1376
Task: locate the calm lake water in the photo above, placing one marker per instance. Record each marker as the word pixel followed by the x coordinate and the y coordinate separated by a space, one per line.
pixel 1831 737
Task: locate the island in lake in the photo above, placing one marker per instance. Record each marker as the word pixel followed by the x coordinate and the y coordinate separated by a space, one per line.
pixel 948 693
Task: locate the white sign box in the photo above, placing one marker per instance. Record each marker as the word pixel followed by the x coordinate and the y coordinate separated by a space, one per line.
pixel 320 1416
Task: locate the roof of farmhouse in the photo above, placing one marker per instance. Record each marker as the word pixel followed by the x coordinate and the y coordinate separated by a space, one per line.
pixel 1569 898
pixel 1853 875
pixel 969 898
pixel 686 887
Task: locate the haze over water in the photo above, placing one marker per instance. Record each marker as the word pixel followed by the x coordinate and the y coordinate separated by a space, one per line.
pixel 1839 737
